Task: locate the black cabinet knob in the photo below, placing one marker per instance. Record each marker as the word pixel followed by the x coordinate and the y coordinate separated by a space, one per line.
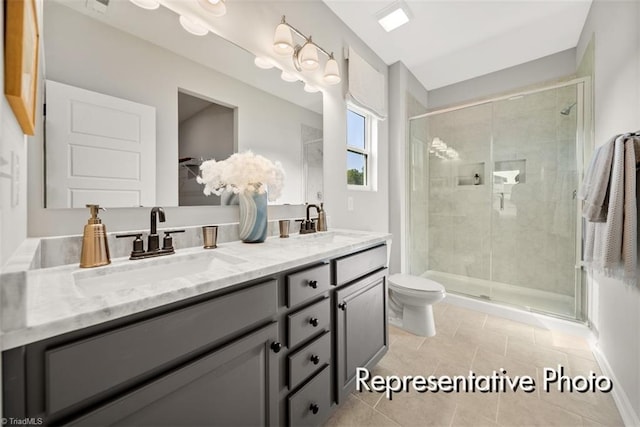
pixel 342 306
pixel 315 359
pixel 313 284
pixel 276 346
pixel 314 321
pixel 314 408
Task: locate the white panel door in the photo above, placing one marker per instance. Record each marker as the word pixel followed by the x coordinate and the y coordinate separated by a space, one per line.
pixel 99 149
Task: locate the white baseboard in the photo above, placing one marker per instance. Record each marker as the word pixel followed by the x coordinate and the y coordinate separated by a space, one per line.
pixel 620 398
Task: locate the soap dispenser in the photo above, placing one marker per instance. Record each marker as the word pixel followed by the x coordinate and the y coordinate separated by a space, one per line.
pixel 95 248
pixel 322 218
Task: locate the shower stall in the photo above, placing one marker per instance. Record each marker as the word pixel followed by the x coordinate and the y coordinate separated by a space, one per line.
pixel 493 212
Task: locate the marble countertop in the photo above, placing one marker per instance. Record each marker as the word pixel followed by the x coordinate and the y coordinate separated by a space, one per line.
pixel 42 303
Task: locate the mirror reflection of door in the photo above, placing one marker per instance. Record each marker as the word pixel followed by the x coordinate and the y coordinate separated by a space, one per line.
pixel 206 130
pixel 312 152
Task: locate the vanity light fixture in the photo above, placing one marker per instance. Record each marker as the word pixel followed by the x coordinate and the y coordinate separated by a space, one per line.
pixel 263 62
pixel 305 56
pixel 147 4
pixel 394 16
pixel 215 7
pixel 192 26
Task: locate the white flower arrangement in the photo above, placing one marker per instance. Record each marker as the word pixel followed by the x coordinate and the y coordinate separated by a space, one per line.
pixel 242 172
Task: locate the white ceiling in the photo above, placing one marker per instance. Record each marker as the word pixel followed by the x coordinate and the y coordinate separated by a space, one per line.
pixel 451 41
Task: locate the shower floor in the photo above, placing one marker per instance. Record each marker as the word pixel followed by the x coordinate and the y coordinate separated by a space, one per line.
pixel 530 299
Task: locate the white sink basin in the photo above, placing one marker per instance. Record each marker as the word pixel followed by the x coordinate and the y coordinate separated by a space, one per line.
pixel 150 271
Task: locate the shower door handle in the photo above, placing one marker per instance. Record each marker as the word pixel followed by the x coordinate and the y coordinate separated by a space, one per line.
pixel 501 195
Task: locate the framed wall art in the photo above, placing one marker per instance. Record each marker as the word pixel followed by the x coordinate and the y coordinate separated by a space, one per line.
pixel 22 40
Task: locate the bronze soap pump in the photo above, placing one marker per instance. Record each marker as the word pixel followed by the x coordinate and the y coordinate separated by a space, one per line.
pixel 95 248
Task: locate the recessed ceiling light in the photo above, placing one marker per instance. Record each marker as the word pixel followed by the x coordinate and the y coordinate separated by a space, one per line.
pixel 393 16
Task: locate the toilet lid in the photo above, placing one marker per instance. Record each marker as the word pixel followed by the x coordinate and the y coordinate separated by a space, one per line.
pixel 415 282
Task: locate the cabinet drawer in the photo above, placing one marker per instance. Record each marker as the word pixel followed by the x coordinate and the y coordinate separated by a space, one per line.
pixel 313 397
pixel 86 368
pixel 354 266
pixel 308 322
pixel 309 359
pixel 306 284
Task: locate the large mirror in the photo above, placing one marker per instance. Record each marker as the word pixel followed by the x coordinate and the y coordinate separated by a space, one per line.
pixel 206 99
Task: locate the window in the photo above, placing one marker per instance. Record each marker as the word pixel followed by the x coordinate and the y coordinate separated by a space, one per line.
pixel 360 138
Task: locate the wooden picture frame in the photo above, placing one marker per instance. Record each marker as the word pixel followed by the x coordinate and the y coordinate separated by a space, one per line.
pixel 22 40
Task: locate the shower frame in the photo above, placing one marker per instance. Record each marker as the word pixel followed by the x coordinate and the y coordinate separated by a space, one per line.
pixel 584 150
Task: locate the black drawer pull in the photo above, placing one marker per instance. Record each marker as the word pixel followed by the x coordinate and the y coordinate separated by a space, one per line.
pixel 276 347
pixel 315 359
pixel 342 306
pixel 314 408
pixel 314 322
pixel 313 284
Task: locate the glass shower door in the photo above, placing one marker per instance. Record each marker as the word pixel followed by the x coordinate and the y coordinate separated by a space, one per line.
pixel 533 216
pixel 450 193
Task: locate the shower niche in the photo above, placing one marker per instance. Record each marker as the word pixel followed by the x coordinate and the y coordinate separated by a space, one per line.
pixel 471 174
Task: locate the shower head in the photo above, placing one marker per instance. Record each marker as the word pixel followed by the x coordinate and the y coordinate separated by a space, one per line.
pixel 567 110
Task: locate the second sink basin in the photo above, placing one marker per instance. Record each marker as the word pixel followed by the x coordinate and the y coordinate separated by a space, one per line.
pixel 146 272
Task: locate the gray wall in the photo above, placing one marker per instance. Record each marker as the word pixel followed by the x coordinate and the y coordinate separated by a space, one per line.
pixel 614 28
pixel 548 68
pixel 407 97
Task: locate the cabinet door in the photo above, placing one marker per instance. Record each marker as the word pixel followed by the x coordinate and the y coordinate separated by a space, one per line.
pixel 362 335
pixel 236 385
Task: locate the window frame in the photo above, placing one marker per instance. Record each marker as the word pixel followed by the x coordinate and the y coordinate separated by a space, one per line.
pixel 369 134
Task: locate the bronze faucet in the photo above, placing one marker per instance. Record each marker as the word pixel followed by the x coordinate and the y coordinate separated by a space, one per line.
pixel 153 244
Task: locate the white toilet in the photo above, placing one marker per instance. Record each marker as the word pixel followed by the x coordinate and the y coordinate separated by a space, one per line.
pixel 411 299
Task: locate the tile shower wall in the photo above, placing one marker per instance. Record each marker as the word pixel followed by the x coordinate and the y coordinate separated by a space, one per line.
pixel 498 204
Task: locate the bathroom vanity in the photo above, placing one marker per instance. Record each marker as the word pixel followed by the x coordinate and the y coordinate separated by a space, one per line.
pixel 267 334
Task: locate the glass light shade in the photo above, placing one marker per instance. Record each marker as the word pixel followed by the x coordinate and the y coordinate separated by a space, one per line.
pixel 264 63
pixel 310 89
pixel 308 56
pixel 147 4
pixel 288 77
pixel 282 40
pixel 192 26
pixel 214 7
pixel 332 72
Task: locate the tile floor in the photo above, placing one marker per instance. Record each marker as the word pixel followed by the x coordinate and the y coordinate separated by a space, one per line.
pixel 471 340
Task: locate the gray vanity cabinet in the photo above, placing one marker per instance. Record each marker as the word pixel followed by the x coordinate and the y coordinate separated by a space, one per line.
pixel 278 350
pixel 233 386
pixel 361 320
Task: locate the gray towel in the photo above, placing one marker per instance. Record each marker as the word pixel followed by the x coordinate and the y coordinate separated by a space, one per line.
pixel 594 190
pixel 611 247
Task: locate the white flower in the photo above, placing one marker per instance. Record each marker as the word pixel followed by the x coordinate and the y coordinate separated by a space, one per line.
pixel 242 172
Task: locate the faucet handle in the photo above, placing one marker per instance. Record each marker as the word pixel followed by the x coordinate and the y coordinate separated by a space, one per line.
pixel 138 244
pixel 167 241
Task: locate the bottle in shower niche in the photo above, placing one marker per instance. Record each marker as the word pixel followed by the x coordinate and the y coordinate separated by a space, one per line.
pixel 476 179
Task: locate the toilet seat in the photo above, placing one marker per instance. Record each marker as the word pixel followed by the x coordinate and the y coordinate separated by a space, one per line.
pixel 406 281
